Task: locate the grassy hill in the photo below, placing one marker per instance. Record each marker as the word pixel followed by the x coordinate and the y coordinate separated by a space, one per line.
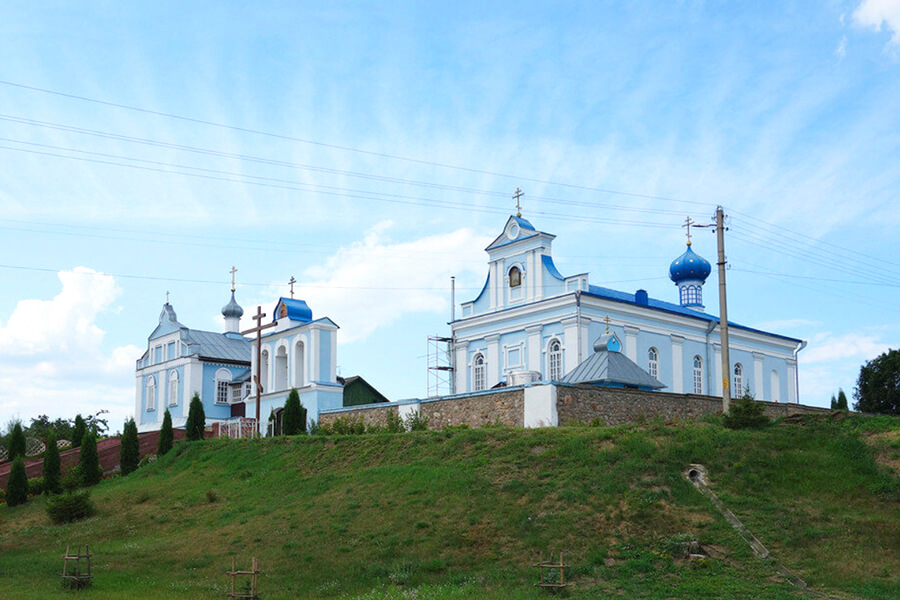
pixel 464 513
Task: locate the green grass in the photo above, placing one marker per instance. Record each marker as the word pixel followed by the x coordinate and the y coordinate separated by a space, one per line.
pixel 464 513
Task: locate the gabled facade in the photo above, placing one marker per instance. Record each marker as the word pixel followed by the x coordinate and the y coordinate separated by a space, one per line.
pixel 299 352
pixel 529 317
pixel 179 362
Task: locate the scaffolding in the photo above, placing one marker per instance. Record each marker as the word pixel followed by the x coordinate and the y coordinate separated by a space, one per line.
pixel 440 366
pixel 76 573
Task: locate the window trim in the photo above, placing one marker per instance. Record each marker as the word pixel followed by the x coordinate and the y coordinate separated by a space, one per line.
pixel 173 381
pixel 697 365
pixel 223 384
pixel 653 362
pixel 479 372
pixel 150 396
pixel 738 384
pixel 554 359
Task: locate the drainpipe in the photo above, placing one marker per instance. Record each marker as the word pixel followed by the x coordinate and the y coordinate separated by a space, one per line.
pixel 797 350
pixel 709 330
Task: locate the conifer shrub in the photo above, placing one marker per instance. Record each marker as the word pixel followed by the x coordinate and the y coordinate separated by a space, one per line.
pixel 72 479
pixel 89 461
pixel 416 422
pixel 35 486
pixel 196 421
pixel 16 442
pixel 293 420
pixel 78 431
pixel 51 466
pixel 17 484
pixel 746 413
pixel 166 436
pixel 69 507
pixel 129 451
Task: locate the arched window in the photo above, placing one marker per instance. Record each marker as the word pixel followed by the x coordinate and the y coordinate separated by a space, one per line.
pixel 515 277
pixel 151 393
pixel 554 361
pixel 653 362
pixel 223 380
pixel 478 372
pixel 738 389
pixel 299 361
pixel 691 295
pixel 698 375
pixel 264 371
pixel 173 388
pixel 281 369
pixel 776 387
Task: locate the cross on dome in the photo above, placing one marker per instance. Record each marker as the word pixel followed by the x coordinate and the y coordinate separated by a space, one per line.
pixel 519 193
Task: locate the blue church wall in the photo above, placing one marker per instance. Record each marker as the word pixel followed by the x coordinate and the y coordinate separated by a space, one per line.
pixel 208 392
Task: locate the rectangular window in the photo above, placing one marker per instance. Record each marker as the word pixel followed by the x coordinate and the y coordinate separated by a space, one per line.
pixel 236 393
pixel 171 352
pixel 222 392
pixel 157 354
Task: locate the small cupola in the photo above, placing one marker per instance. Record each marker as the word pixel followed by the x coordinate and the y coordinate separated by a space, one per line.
pixel 232 312
pixel 689 272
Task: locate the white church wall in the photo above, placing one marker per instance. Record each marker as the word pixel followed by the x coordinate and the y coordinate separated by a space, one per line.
pixel 540 406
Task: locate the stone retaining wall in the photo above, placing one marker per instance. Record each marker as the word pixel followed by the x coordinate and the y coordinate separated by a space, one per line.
pixel 504 407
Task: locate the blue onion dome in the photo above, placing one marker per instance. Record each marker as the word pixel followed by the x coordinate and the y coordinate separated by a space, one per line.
pixel 232 309
pixel 689 266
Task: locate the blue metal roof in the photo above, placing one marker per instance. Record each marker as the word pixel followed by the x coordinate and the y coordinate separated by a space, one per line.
pixel 232 309
pixel 547 260
pixel 523 223
pixel 689 266
pixel 606 367
pixel 293 309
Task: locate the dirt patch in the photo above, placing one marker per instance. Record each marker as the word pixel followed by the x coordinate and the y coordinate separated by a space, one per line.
pixel 887 448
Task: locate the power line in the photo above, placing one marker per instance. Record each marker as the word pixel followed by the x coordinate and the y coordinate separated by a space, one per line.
pixel 340 147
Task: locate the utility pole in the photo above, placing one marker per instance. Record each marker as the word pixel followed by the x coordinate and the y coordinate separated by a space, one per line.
pixel 723 311
pixel 723 304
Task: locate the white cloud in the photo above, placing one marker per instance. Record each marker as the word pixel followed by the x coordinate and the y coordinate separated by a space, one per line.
pixel 785 324
pixel 875 13
pixel 374 283
pixel 832 362
pixel 51 361
pixel 826 347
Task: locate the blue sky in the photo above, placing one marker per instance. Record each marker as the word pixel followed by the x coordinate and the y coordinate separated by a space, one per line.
pixel 370 150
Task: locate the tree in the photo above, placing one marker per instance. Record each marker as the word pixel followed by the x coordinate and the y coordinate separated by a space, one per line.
pixel 17 484
pixel 129 450
pixel 293 421
pixel 878 387
pixel 842 400
pixel 166 436
pixel 89 461
pixel 78 431
pixel 746 413
pixel 51 466
pixel 196 421
pixel 834 404
pixel 16 442
pixel 42 427
pixel 97 425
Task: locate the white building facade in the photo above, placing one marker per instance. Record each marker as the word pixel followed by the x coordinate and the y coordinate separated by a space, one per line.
pixel 529 317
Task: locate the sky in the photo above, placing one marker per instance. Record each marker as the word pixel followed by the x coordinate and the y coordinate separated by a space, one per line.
pixel 371 150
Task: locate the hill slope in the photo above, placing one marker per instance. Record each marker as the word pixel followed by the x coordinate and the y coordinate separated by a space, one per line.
pixel 464 513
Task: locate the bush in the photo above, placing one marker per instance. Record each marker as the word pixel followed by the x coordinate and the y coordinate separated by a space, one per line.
pixel 17 484
pixel 16 442
pixel 416 422
pixel 78 431
pixel 393 423
pixel 293 421
pixel 166 436
pixel 129 450
pixel 72 479
pixel 35 486
pixel 69 507
pixel 746 413
pixel 89 461
pixel 196 421
pixel 51 466
pixel 348 426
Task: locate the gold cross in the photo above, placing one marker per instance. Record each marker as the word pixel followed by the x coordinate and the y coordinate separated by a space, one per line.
pixel 292 282
pixel 233 271
pixel 687 223
pixel 607 323
pixel 519 193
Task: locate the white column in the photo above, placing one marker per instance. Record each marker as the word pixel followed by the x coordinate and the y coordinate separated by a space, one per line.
pixel 334 355
pixel 677 364
pixel 792 381
pixel 492 275
pixel 717 380
pixel 570 341
pixel 534 350
pixel 540 406
pixel 538 275
pixel 195 381
pixel 758 385
pixel 529 277
pixel 462 368
pixel 492 373
pixel 631 342
pixel 314 356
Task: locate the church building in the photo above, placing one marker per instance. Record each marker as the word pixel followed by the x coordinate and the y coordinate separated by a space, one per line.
pixel 529 319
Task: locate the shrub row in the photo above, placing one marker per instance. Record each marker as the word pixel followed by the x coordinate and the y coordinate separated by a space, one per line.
pixel 349 425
